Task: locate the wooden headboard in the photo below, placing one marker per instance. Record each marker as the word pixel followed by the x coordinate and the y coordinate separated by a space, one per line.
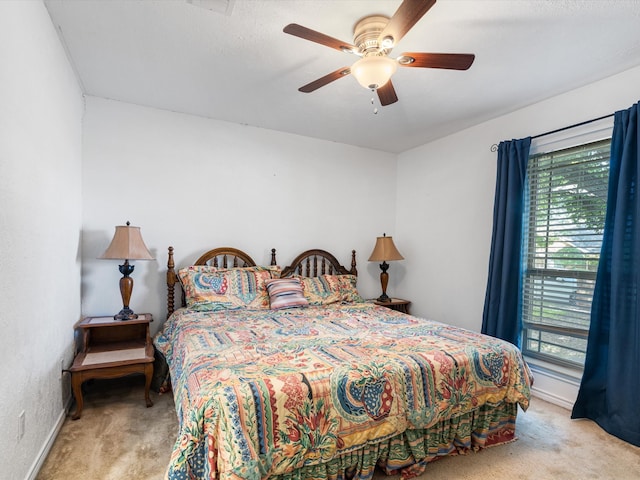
pixel 316 262
pixel 222 257
pixel 311 263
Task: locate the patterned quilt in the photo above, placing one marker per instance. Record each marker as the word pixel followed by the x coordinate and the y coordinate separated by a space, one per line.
pixel 264 393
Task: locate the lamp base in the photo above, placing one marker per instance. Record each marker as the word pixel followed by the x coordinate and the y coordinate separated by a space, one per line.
pixel 384 280
pixel 384 298
pixel 125 314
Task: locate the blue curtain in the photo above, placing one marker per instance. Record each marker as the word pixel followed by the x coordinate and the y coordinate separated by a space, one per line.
pixel 610 389
pixel 501 317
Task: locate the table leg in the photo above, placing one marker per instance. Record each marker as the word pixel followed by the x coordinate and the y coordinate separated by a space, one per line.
pixel 76 384
pixel 148 374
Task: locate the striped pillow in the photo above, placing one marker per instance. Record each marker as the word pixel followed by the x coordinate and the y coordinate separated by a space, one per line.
pixel 285 293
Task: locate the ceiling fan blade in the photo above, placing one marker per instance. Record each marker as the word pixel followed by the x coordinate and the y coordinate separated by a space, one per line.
pixel 387 94
pixel 321 38
pixel 407 15
pixel 321 82
pixel 452 61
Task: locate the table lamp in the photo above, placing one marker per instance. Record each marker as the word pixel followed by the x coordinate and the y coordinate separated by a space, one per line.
pixel 127 244
pixel 384 251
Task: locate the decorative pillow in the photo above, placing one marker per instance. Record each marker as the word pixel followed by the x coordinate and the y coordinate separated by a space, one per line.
pixel 210 288
pixel 318 291
pixel 285 293
pixel 345 285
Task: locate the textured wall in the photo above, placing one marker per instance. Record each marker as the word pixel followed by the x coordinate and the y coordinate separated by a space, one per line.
pixel 40 215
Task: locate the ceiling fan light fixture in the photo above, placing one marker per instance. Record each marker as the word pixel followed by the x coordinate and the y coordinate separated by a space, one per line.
pixel 374 71
pixel 405 60
pixel 351 50
pixel 374 36
pixel 387 42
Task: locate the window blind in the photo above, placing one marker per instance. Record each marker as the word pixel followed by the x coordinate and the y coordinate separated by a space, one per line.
pixel 564 219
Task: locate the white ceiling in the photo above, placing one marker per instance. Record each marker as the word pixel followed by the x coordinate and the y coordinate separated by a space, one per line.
pixel 232 61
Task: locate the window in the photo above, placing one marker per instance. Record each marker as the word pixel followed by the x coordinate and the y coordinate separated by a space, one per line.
pixel 564 220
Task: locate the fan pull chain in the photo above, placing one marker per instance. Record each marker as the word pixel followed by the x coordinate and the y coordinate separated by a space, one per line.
pixel 373 101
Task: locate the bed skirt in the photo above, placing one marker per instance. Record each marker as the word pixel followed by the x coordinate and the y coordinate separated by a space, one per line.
pixel 410 452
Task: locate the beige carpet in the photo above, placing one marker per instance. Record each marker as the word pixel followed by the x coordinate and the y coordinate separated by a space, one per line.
pixel 119 438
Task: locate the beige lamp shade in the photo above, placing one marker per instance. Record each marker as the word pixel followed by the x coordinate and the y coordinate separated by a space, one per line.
pixel 385 250
pixel 127 244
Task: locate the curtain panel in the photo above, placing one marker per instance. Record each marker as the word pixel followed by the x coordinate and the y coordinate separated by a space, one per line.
pixel 501 316
pixel 610 387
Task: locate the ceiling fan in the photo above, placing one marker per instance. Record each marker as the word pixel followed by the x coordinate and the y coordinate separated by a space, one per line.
pixel 374 37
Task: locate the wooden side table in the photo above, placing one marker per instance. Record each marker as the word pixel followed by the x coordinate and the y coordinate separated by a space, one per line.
pixel 110 349
pixel 395 304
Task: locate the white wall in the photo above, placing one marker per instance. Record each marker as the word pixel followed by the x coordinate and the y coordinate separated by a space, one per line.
pixel 196 184
pixel 40 212
pixel 445 201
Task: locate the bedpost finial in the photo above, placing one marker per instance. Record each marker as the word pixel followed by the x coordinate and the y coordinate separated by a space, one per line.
pixel 354 270
pixel 170 263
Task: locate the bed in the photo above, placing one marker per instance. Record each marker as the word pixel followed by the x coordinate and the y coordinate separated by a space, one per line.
pixel 327 387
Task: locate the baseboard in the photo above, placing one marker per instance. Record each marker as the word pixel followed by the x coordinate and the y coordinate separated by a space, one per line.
pixel 51 438
pixel 551 398
pixel 554 387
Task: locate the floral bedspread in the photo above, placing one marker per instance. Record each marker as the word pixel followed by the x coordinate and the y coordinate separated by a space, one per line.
pixel 262 393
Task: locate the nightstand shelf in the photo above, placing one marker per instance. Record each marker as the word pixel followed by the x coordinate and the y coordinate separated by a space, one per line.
pixel 110 349
pixel 397 304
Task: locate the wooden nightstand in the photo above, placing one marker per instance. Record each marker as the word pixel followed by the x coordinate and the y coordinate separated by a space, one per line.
pixel 395 304
pixel 112 348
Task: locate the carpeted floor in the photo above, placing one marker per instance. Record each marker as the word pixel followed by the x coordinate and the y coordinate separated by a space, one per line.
pixel 119 438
